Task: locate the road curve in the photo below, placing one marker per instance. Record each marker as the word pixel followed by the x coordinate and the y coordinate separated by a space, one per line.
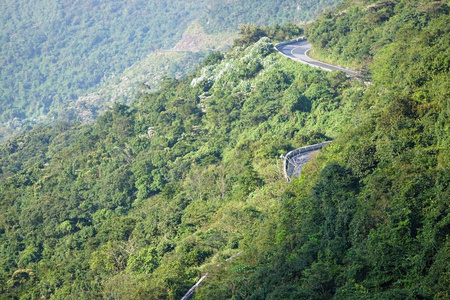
pixel 298 51
pixel 294 160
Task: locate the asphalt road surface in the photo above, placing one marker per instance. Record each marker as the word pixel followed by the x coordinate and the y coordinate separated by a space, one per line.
pixel 296 163
pixel 299 51
pixel 295 160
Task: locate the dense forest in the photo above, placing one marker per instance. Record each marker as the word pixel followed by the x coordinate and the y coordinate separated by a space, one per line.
pixel 231 14
pixel 150 197
pixel 55 51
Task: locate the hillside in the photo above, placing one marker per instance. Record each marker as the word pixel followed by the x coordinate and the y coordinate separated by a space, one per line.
pixel 233 13
pixel 142 77
pixel 55 51
pixel 146 74
pixel 143 202
pixel 141 199
pixel 369 219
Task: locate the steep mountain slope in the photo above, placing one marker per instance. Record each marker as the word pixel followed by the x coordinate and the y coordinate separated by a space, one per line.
pixel 146 200
pixel 137 202
pixel 54 51
pixel 142 77
pixel 146 74
pixel 371 218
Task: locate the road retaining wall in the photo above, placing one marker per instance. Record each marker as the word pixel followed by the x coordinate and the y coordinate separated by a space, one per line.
pixel 290 155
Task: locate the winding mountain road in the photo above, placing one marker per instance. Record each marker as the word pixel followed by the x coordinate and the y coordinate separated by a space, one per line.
pixel 295 159
pixel 298 50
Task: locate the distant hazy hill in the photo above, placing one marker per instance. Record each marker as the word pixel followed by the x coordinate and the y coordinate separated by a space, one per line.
pixel 222 14
pixel 54 51
pixel 182 59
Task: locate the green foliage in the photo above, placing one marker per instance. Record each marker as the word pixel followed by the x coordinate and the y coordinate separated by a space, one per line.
pixel 250 33
pixel 58 51
pixel 356 32
pixel 159 189
pixel 141 203
pixel 361 228
pixel 145 261
pixel 60 61
pixel 232 14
